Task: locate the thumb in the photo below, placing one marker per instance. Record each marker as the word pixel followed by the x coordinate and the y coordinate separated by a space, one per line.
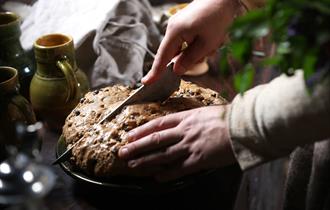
pixel 196 51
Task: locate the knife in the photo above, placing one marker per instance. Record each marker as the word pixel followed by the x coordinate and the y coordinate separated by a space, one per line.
pixel 160 90
pixel 157 91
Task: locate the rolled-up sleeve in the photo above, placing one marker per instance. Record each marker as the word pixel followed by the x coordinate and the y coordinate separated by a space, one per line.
pixel 270 120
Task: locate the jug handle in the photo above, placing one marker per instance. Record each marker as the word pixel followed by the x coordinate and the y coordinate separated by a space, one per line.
pixel 70 77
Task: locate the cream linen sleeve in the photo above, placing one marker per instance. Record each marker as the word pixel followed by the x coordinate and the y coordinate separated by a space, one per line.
pixel 270 120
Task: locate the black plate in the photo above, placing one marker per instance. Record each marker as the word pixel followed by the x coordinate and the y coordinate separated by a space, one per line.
pixel 125 183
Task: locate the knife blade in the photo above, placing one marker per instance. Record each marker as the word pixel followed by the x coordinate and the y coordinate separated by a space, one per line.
pixel 157 91
pixel 160 90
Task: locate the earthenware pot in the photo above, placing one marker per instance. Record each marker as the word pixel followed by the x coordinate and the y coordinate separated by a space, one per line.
pixel 14 108
pixel 12 53
pixel 58 84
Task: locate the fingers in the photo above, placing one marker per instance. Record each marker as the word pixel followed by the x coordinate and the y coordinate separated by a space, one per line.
pixel 155 125
pixel 161 157
pixel 149 143
pixel 169 47
pixel 196 52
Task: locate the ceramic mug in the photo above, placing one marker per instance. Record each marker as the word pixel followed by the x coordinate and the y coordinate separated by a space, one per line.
pixel 58 83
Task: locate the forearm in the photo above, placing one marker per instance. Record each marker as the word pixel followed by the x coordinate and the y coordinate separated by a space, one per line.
pixel 270 120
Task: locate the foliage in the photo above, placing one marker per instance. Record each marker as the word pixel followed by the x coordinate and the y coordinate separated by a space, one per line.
pixel 300 30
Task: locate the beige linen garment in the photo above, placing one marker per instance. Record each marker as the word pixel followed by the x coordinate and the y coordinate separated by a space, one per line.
pixel 271 120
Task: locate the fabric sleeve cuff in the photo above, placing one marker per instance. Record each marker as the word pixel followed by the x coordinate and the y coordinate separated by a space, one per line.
pixel 240 113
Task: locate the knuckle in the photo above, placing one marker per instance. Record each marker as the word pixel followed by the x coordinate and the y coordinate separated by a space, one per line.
pixel 199 157
pixel 176 25
pixel 155 138
pixel 160 123
pixel 158 57
pixel 187 129
pixel 171 24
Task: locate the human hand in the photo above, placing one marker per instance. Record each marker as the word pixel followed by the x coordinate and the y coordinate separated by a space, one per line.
pixel 203 25
pixel 180 144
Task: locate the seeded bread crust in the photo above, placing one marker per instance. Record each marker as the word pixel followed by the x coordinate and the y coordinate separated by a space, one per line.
pixel 96 152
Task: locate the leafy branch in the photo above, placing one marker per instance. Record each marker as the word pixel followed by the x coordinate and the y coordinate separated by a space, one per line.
pixel 300 29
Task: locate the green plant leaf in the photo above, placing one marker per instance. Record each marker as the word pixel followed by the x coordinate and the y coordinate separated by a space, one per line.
pixel 260 30
pixel 241 50
pixel 309 65
pixel 283 48
pixel 271 61
pixel 223 64
pixel 298 28
pixel 244 80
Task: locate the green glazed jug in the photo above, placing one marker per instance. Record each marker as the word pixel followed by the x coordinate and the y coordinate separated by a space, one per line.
pixel 12 53
pixel 14 108
pixel 58 83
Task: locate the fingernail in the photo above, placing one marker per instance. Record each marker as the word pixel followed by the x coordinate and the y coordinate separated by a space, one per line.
pixel 132 164
pixel 130 136
pixel 144 79
pixel 123 152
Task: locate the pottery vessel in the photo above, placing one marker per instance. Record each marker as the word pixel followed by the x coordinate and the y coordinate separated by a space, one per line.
pixel 58 83
pixel 12 53
pixel 14 108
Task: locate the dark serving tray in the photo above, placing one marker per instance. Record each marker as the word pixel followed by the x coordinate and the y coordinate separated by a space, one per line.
pixel 126 183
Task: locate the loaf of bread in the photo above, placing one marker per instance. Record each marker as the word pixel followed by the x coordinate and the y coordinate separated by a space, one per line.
pixel 96 152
